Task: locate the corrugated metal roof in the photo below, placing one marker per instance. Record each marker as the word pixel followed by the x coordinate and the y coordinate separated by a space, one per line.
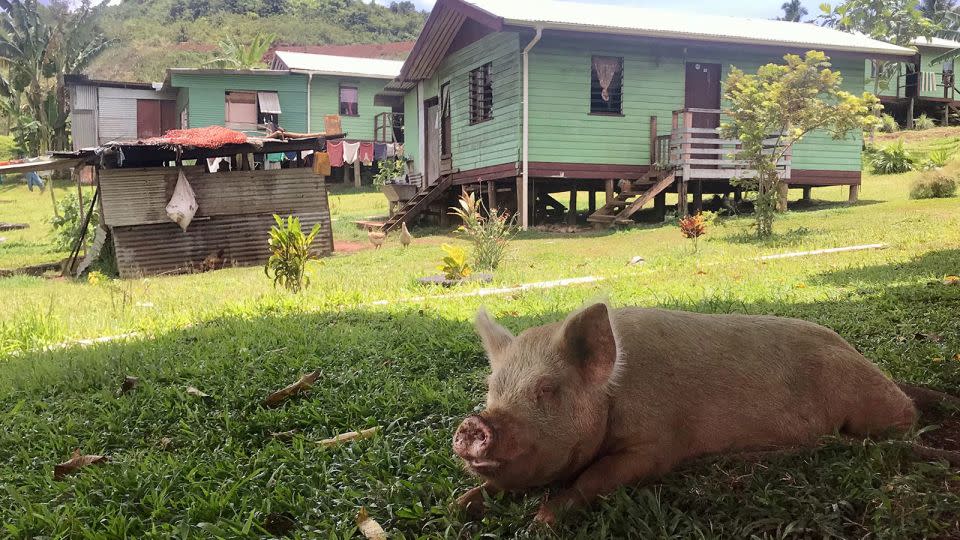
pixel 651 22
pixel 323 64
pixel 269 102
pixel 937 43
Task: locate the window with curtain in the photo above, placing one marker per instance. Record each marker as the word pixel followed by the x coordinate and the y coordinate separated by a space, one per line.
pixel 481 94
pixel 349 101
pixel 606 85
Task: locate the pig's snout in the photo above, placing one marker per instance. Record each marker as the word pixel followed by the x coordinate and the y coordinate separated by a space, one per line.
pixel 473 439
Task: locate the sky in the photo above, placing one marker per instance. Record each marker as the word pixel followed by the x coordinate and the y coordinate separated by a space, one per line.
pixel 745 8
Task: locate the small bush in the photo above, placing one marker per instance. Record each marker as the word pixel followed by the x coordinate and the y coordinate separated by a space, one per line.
pixel 289 253
pixel 933 185
pixel 490 234
pixel 66 226
pixel 923 122
pixel 454 265
pixel 888 124
pixel 893 159
pixel 387 170
pixel 936 159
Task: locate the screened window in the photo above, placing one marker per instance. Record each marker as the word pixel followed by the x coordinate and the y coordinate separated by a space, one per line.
pixel 606 85
pixel 349 101
pixel 481 94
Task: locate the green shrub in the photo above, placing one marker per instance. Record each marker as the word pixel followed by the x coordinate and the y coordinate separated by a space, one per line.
pixel 936 159
pixel 888 124
pixel 923 122
pixel 893 159
pixel 490 234
pixel 454 264
pixel 933 185
pixel 67 224
pixel 388 169
pixel 289 253
pixel 8 148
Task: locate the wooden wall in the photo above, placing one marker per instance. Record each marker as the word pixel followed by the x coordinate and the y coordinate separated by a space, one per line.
pixel 234 215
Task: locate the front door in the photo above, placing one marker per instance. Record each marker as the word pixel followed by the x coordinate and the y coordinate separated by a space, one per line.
pixel 432 143
pixel 702 91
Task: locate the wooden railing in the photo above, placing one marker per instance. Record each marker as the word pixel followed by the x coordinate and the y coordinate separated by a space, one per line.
pixel 388 127
pixel 698 153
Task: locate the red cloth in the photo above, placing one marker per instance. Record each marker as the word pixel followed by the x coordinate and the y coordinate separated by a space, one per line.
pixel 206 137
pixel 366 153
pixel 335 149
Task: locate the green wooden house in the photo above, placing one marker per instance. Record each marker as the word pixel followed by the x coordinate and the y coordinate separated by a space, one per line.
pixel 527 100
pixel 919 85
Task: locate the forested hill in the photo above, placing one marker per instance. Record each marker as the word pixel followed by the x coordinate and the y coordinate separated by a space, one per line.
pixel 152 35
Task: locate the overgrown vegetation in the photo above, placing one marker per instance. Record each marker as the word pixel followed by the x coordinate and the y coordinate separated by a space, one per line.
pixel 68 220
pixel 888 124
pixel 290 253
pixel 933 185
pixel 785 102
pixel 488 230
pixel 893 159
pixel 454 264
pixel 923 122
pixel 388 170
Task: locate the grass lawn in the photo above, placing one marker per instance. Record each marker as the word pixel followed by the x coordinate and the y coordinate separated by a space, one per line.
pixel 182 466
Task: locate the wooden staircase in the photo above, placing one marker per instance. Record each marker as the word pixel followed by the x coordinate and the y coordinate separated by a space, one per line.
pixel 418 204
pixel 620 209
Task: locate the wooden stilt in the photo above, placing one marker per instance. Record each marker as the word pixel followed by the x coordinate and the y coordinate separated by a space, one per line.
pixel 682 198
pixel 737 195
pixel 660 206
pixel 519 195
pixel 946 114
pixel 698 197
pixel 592 201
pixel 910 106
pixel 357 179
pixel 806 193
pixel 609 189
pixel 344 171
pixel 854 193
pixel 491 196
pixel 783 191
pixel 572 209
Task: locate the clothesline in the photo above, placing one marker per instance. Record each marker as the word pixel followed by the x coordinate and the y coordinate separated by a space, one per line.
pixel 347 153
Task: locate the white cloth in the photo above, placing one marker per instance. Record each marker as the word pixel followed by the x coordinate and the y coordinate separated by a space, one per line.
pixel 183 204
pixel 350 152
pixel 213 164
pixel 391 150
pixel 928 81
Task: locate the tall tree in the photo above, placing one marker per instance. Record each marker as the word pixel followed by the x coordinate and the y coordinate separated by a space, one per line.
pixel 793 10
pixel 894 21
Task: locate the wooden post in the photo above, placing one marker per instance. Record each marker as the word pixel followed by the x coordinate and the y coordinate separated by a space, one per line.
pixel 519 194
pixel 910 113
pixel 737 195
pixel 783 190
pixel 609 188
pixel 653 140
pixel 946 112
pixel 491 196
pixel 682 198
pixel 75 172
pixel 660 206
pixel 698 197
pixel 357 179
pixel 344 170
pixel 807 190
pixel 592 201
pixel 854 193
pixel 572 209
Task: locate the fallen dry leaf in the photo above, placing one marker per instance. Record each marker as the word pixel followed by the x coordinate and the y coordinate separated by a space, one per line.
pixel 283 435
pixel 75 463
pixel 129 383
pixel 195 392
pixel 304 383
pixel 165 443
pixel 351 436
pixel 951 280
pixel 928 336
pixel 368 527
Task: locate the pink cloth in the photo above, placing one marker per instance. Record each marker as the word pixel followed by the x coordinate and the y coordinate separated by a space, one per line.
pixel 335 149
pixel 366 153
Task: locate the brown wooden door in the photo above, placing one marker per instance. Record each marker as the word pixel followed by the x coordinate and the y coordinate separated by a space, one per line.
pixel 702 91
pixel 148 118
pixel 168 116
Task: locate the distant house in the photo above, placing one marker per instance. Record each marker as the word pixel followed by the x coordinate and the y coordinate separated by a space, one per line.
pixel 920 86
pixel 103 111
pixel 526 100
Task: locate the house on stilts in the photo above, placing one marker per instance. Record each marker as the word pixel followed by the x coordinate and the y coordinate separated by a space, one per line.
pixel 919 85
pixel 532 102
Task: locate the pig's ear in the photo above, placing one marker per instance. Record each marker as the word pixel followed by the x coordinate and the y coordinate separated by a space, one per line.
pixel 588 341
pixel 495 337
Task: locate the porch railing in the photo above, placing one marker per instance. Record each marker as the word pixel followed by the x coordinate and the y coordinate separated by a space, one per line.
pixel 388 127
pixel 698 153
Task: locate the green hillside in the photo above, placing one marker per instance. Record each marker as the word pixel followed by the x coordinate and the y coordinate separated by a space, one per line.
pixel 151 35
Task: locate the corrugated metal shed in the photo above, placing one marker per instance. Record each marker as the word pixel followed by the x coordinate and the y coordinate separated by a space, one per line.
pixel 118 112
pixel 234 216
pixel 83 128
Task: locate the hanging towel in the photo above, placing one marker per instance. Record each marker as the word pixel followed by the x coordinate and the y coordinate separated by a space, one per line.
pixel 335 152
pixel 379 151
pixel 391 150
pixel 928 81
pixel 350 152
pixel 366 153
pixel 321 164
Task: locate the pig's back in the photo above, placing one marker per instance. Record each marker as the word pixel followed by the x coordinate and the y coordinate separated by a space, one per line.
pixel 711 383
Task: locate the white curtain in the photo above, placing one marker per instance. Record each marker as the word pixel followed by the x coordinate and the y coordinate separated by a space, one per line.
pixel 606 68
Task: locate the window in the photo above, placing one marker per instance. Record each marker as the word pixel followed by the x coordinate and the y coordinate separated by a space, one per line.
pixel 349 101
pixel 606 85
pixel 445 124
pixel 481 94
pixel 241 110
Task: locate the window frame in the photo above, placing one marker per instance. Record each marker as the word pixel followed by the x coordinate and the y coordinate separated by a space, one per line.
pixel 340 101
pixel 481 98
pixel 241 126
pixel 446 122
pixel 619 78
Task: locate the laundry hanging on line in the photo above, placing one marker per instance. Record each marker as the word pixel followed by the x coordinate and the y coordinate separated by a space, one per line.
pixel 366 153
pixel 350 152
pixel 335 152
pixel 379 151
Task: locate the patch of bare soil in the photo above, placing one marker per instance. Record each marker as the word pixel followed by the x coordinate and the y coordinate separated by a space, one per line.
pixel 945 437
pixel 919 136
pixel 344 246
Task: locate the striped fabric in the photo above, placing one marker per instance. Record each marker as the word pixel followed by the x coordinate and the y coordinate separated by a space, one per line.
pixel 928 81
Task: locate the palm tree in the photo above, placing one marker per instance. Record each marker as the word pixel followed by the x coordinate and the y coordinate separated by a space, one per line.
pixel 793 11
pixel 235 55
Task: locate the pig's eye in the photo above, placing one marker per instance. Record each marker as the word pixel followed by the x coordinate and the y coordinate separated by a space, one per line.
pixel 545 391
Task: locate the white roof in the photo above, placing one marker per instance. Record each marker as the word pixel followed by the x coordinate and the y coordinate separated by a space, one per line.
pixel 652 22
pixel 936 43
pixel 325 64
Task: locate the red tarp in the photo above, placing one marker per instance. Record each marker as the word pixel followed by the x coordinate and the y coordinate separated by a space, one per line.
pixel 206 137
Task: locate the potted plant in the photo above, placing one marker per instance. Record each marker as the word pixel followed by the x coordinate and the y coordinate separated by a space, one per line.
pixel 391 178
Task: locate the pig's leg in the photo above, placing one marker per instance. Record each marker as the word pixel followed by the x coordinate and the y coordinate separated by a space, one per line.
pixel 605 475
pixel 472 501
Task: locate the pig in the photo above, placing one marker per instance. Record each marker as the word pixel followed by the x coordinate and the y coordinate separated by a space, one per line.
pixel 610 397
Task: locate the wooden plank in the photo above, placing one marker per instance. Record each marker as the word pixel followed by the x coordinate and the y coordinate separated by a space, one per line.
pixel 647 196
